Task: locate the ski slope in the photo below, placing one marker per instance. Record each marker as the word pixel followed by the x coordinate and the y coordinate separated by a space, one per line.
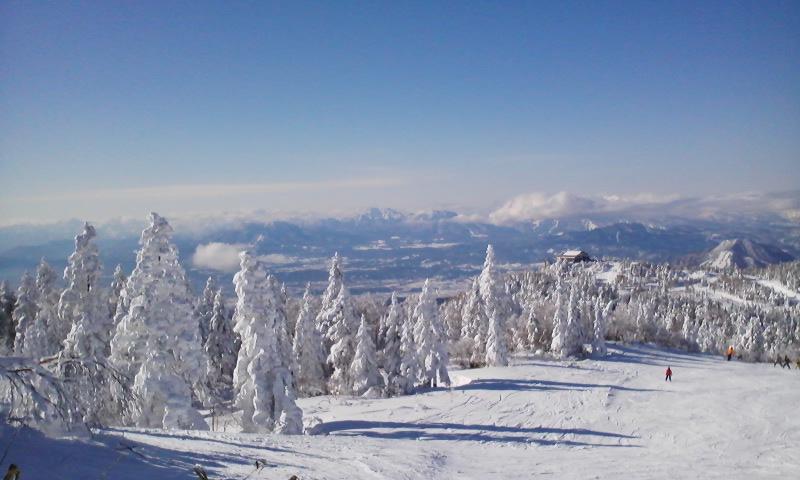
pixel 584 419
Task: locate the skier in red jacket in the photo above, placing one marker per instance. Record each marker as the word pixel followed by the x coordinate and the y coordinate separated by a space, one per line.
pixel 669 374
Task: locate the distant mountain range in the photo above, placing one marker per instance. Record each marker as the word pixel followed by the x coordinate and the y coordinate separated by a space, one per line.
pixel 745 253
pixel 388 249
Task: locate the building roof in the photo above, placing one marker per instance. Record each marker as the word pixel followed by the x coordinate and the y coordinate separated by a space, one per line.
pixel 573 253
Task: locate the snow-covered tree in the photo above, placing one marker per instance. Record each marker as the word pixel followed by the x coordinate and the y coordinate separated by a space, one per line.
pixel 392 355
pixel 325 317
pixel 430 337
pixel 496 349
pixel 367 379
pixel 204 309
pixel 341 335
pixel 309 360
pixel 115 290
pixel 47 306
pixel 83 302
pixel 156 339
pixel 566 323
pixel 7 329
pixel 409 358
pixel 599 338
pixel 29 336
pixel 475 323
pixel 262 380
pixel 222 348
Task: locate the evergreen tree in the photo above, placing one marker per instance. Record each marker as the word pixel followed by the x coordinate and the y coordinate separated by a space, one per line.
pixel 28 340
pixel 367 379
pixel 325 317
pixel 115 290
pixel 496 349
pixel 599 341
pixel 204 309
pixel 430 337
pixel 409 358
pixel 221 347
pixel 7 329
pixel 156 339
pixel 307 351
pixel 262 380
pixel 47 307
pixel 342 337
pixel 392 355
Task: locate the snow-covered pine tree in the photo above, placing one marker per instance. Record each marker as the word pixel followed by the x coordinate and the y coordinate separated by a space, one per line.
pixel 29 337
pixel 222 348
pixel 476 324
pixel 599 340
pixel 309 373
pixel 156 340
pixel 204 309
pixel 392 355
pixel 81 276
pixel 262 380
pixel 82 360
pixel 496 348
pixel 341 335
pixel 561 346
pixel 7 330
pixel 325 317
pixel 409 357
pixel 47 307
pixel 430 338
pixel 367 379
pixel 115 290
pixel 533 327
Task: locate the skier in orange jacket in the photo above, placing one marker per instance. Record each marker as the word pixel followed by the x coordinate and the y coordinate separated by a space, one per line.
pixel 730 352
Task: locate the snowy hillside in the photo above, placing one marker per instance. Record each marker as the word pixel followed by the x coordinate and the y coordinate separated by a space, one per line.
pixel 587 419
pixel 743 253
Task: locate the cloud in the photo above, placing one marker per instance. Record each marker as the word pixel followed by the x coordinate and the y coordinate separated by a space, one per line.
pixel 277 259
pixel 223 257
pixel 539 206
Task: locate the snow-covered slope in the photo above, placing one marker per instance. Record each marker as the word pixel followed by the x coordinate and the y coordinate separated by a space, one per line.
pixel 588 419
pixel 743 253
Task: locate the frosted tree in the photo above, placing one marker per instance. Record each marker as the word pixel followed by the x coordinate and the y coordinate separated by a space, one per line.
pixel 262 380
pixel 342 337
pixel 204 309
pixel 392 355
pixel 367 379
pixel 115 290
pixel 83 302
pixel 430 337
pixel 325 319
pixel 82 288
pixel 7 330
pixel 156 340
pixel 566 323
pixel 533 328
pixel 309 374
pixel 28 340
pixel 599 340
pixel 221 349
pixel 476 324
pixel 47 306
pixel 409 358
pixel 496 348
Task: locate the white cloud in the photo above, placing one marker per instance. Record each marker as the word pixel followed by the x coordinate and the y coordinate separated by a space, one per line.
pixel 223 257
pixel 539 206
pixel 277 259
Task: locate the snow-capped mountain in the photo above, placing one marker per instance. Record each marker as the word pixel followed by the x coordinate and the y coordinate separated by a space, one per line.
pixel 744 253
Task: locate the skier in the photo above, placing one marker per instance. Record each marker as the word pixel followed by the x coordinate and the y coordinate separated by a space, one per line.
pixel 669 374
pixel 786 362
pixel 730 352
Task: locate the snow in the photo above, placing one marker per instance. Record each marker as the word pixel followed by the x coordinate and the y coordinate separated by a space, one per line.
pixel 780 288
pixel 564 419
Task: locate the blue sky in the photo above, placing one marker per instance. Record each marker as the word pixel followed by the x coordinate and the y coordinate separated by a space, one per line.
pixel 117 108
